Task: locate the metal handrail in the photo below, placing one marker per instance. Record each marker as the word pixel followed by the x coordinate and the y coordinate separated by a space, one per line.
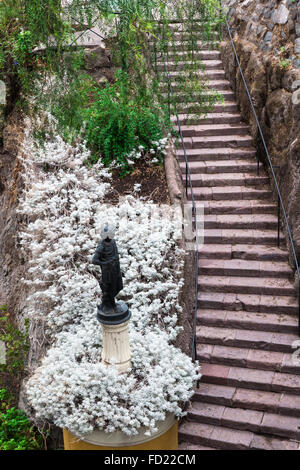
pixel 280 199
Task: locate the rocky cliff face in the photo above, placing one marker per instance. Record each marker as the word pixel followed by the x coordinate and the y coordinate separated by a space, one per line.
pixel 267 40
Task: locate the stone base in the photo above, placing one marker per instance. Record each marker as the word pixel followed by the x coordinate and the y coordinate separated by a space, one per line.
pixel 166 438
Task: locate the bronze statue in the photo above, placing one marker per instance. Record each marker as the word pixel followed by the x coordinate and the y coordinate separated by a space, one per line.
pixel 107 257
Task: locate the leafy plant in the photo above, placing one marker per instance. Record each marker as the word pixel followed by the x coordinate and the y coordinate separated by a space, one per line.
pixel 16 344
pixel 16 432
pixel 116 125
pixel 285 63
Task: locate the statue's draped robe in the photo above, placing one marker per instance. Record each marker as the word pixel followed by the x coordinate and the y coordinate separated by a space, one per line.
pixel 111 283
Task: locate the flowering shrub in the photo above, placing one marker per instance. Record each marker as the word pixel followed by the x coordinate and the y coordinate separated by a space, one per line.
pixel 64 203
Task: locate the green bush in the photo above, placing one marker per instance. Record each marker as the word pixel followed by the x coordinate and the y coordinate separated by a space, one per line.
pixel 116 125
pixel 16 432
pixel 16 343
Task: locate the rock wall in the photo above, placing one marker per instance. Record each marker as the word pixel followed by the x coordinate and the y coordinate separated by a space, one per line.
pixel 266 34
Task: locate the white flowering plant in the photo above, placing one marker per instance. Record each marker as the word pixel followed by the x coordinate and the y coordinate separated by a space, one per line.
pixel 64 206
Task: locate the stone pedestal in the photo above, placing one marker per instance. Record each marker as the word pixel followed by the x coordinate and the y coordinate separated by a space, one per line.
pixel 116 349
pixel 115 342
pixel 166 438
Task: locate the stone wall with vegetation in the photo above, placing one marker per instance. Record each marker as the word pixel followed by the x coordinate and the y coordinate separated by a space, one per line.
pixel 267 39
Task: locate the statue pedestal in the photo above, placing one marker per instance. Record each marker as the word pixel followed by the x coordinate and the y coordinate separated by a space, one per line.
pixel 166 438
pixel 116 348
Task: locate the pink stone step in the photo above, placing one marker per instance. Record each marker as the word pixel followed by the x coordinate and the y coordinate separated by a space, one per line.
pixel 179 66
pixel 263 341
pixel 210 74
pixel 285 426
pixel 256 379
pixel 215 130
pixel 210 118
pixel 241 221
pixel 216 154
pixel 226 106
pixel 243 252
pixel 231 141
pixel 219 415
pixel 227 179
pixel 260 400
pixel 203 55
pixel 183 97
pixel 249 303
pixel 188 446
pixel 240 207
pixel 234 166
pixel 260 442
pixel 246 285
pixel 240 267
pixel 245 419
pixel 186 46
pixel 215 436
pixel 240 236
pixel 246 357
pixel 219 85
pixel 248 320
pixel 230 193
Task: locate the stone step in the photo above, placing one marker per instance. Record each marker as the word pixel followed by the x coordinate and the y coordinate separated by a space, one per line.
pixel 248 320
pixel 240 267
pixel 236 345
pixel 287 305
pixel 186 36
pixel 279 403
pixel 231 141
pixel 231 439
pixel 187 45
pixel 202 97
pixel 230 193
pixel 237 207
pixel 188 446
pixel 183 65
pixel 254 379
pixel 241 221
pixel 239 236
pixel 208 74
pixel 245 420
pixel 215 436
pixel 220 85
pixel 216 154
pixel 228 179
pixel 210 118
pixel 246 285
pixel 195 26
pixel 225 107
pixel 250 357
pixel 191 55
pixel 226 166
pixel 215 130
pixel 243 252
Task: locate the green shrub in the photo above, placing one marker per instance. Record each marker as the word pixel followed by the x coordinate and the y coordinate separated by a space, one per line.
pixel 116 125
pixel 16 344
pixel 16 432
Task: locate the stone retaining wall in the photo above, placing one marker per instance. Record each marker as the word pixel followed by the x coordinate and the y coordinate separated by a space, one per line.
pixel 267 39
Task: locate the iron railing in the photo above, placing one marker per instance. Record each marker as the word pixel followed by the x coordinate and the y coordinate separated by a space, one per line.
pixel 261 138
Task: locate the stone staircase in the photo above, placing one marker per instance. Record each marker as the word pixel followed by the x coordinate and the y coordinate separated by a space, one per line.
pixel 249 394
